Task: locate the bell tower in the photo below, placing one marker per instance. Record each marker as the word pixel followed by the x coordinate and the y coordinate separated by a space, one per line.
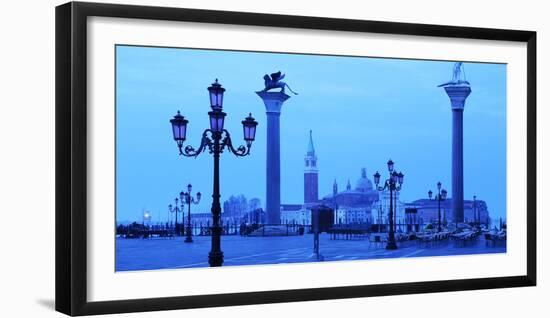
pixel 311 182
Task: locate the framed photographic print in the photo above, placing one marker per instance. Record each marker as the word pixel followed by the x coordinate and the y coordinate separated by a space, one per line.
pixel 209 158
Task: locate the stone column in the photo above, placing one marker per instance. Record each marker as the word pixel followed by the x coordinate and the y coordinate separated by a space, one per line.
pixel 458 94
pixel 273 102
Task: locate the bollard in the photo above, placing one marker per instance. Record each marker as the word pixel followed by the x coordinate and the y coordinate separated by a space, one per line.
pixel 315 229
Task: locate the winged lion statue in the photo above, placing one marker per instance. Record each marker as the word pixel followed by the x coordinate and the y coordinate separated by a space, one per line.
pixel 274 81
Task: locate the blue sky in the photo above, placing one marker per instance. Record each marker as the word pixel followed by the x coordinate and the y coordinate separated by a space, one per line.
pixel 362 111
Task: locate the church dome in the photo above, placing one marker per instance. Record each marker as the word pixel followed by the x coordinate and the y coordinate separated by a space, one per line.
pixel 363 184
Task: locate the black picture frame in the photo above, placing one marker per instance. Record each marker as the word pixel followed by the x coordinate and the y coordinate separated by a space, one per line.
pixel 71 157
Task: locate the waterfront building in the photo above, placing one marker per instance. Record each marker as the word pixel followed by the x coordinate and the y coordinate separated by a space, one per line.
pixel 295 214
pixel 427 211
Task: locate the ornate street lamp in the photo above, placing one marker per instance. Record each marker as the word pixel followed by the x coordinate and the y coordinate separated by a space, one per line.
pixel 176 209
pixel 393 183
pixel 215 139
pixel 440 196
pixel 189 199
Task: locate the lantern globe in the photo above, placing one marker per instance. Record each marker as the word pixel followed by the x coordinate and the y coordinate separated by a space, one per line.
pixel 179 127
pixel 217 118
pixel 400 177
pixel 444 194
pixel 215 92
pixel 390 165
pixel 377 178
pixel 189 187
pixel 394 177
pixel 199 196
pixel 430 193
pixel 249 129
pixel 182 196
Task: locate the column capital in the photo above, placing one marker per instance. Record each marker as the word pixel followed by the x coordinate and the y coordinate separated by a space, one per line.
pixel 273 101
pixel 458 94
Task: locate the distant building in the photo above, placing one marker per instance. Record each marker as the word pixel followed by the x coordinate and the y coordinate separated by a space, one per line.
pixel 428 211
pixel 295 214
pixel 205 219
pixel 353 205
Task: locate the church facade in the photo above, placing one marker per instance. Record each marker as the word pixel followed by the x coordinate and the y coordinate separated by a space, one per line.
pixel 351 206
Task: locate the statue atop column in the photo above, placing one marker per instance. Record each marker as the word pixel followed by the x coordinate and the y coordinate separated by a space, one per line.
pixel 274 81
pixel 459 76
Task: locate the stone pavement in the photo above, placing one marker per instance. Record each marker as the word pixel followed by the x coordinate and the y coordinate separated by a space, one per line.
pixel 148 254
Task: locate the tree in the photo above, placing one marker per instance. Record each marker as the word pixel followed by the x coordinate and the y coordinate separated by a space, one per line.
pixel 254 204
pixel 235 206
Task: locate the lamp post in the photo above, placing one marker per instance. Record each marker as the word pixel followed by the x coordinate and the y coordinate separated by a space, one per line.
pixel 189 199
pixel 393 183
pixel 440 196
pixel 215 139
pixel 176 209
